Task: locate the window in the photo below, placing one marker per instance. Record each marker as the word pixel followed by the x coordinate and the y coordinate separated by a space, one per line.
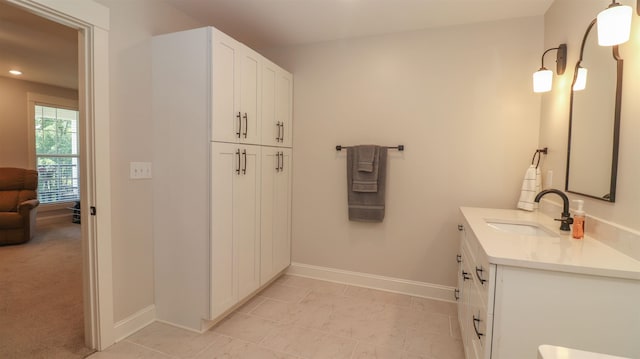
pixel 56 145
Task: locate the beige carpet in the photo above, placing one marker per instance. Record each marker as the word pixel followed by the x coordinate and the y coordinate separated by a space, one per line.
pixel 41 312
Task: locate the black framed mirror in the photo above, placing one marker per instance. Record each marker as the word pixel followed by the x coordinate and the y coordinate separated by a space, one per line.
pixel 594 121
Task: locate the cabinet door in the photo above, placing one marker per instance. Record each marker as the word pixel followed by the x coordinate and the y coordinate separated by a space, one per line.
pixel 225 162
pixel 284 106
pixel 276 212
pixel 270 167
pixel 465 316
pixel 271 131
pixel 276 105
pixel 250 66
pixel 225 90
pixel 282 239
pixel 246 219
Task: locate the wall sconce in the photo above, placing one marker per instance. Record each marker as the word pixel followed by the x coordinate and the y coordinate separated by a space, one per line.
pixel 614 24
pixel 543 78
pixel 581 79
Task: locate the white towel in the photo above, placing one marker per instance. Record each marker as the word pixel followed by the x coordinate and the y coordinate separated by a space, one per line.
pixel 531 186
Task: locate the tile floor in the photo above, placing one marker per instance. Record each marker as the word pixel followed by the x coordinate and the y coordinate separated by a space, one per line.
pixel 302 318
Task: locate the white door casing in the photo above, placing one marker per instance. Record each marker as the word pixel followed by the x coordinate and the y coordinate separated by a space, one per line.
pixel 92 22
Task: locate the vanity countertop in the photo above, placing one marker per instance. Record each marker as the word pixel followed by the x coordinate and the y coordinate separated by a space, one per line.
pixel 554 352
pixel 558 253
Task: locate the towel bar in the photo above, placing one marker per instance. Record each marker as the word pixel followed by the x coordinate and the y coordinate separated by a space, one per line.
pixel 398 147
pixel 538 153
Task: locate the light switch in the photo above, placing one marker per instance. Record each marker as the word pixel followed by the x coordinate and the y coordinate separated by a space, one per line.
pixel 140 170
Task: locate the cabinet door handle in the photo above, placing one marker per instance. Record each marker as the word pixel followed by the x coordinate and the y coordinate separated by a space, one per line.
pixel 460 227
pixel 244 169
pixel 246 125
pixel 238 168
pixel 279 168
pixel 239 124
pixel 282 128
pixel 465 276
pixel 459 258
pixel 278 129
pixel 281 161
pixel 475 327
pixel 456 293
pixel 479 272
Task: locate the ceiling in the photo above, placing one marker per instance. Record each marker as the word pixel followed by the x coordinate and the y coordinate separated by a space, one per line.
pixel 43 50
pixel 279 23
pixel 46 52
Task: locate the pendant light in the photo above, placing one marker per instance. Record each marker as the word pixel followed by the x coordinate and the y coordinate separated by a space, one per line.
pixel 543 78
pixel 614 24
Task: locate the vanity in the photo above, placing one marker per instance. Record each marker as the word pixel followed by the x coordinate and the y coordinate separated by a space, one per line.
pixel 523 283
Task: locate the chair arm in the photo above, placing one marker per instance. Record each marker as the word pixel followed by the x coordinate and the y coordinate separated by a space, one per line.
pixel 25 207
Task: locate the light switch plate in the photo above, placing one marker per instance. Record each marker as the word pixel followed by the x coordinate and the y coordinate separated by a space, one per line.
pixel 140 170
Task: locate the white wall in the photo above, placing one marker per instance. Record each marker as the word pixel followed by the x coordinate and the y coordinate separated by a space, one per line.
pixel 14 124
pixel 458 98
pixel 566 21
pixel 132 25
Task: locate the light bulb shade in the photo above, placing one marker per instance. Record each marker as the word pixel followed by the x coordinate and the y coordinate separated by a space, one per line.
pixel 542 80
pixel 581 80
pixel 614 25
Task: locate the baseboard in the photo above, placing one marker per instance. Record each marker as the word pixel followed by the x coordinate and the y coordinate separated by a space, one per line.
pixel 396 285
pixel 134 322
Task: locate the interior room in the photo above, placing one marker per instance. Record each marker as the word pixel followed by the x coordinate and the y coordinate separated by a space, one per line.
pixel 223 149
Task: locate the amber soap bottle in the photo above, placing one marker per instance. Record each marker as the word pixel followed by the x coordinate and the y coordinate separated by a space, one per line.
pixel 578 220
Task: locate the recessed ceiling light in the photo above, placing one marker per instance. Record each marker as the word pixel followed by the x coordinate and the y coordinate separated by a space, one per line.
pixel 15 72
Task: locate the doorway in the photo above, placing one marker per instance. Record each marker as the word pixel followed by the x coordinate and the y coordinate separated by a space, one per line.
pixel 91 21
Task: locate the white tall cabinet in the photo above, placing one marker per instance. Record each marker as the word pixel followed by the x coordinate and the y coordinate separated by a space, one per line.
pixel 222 191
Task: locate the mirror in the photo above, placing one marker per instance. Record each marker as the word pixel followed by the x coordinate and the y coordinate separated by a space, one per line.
pixel 594 122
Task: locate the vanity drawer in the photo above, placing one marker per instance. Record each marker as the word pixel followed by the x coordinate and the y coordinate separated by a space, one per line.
pixel 484 275
pixel 479 321
pixel 482 272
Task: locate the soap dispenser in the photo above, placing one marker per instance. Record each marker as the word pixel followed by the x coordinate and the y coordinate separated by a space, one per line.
pixel 578 220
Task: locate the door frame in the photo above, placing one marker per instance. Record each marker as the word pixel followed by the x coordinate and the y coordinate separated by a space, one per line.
pixel 91 19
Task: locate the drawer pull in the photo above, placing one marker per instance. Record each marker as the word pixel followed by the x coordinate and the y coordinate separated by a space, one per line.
pixel 459 258
pixel 460 227
pixel 479 272
pixel 475 327
pixel 465 276
pixel 456 293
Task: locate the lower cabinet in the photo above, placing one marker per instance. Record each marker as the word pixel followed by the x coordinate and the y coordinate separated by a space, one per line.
pixel 235 224
pixel 476 282
pixel 275 241
pixel 507 311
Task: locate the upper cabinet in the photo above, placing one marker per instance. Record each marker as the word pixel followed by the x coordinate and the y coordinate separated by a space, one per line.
pixel 235 91
pixel 277 98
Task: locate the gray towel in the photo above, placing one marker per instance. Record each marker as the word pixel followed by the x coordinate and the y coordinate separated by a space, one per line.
pixel 367 206
pixel 366 155
pixel 365 169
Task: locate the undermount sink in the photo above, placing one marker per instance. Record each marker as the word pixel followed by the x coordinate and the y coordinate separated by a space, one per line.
pixel 521 228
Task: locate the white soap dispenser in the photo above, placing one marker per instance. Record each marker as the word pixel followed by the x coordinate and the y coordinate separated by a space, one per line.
pixel 578 220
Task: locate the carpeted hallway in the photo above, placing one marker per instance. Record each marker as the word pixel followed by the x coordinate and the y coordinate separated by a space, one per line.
pixel 41 312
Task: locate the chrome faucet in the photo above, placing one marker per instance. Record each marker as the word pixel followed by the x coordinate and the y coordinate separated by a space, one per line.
pixel 566 219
